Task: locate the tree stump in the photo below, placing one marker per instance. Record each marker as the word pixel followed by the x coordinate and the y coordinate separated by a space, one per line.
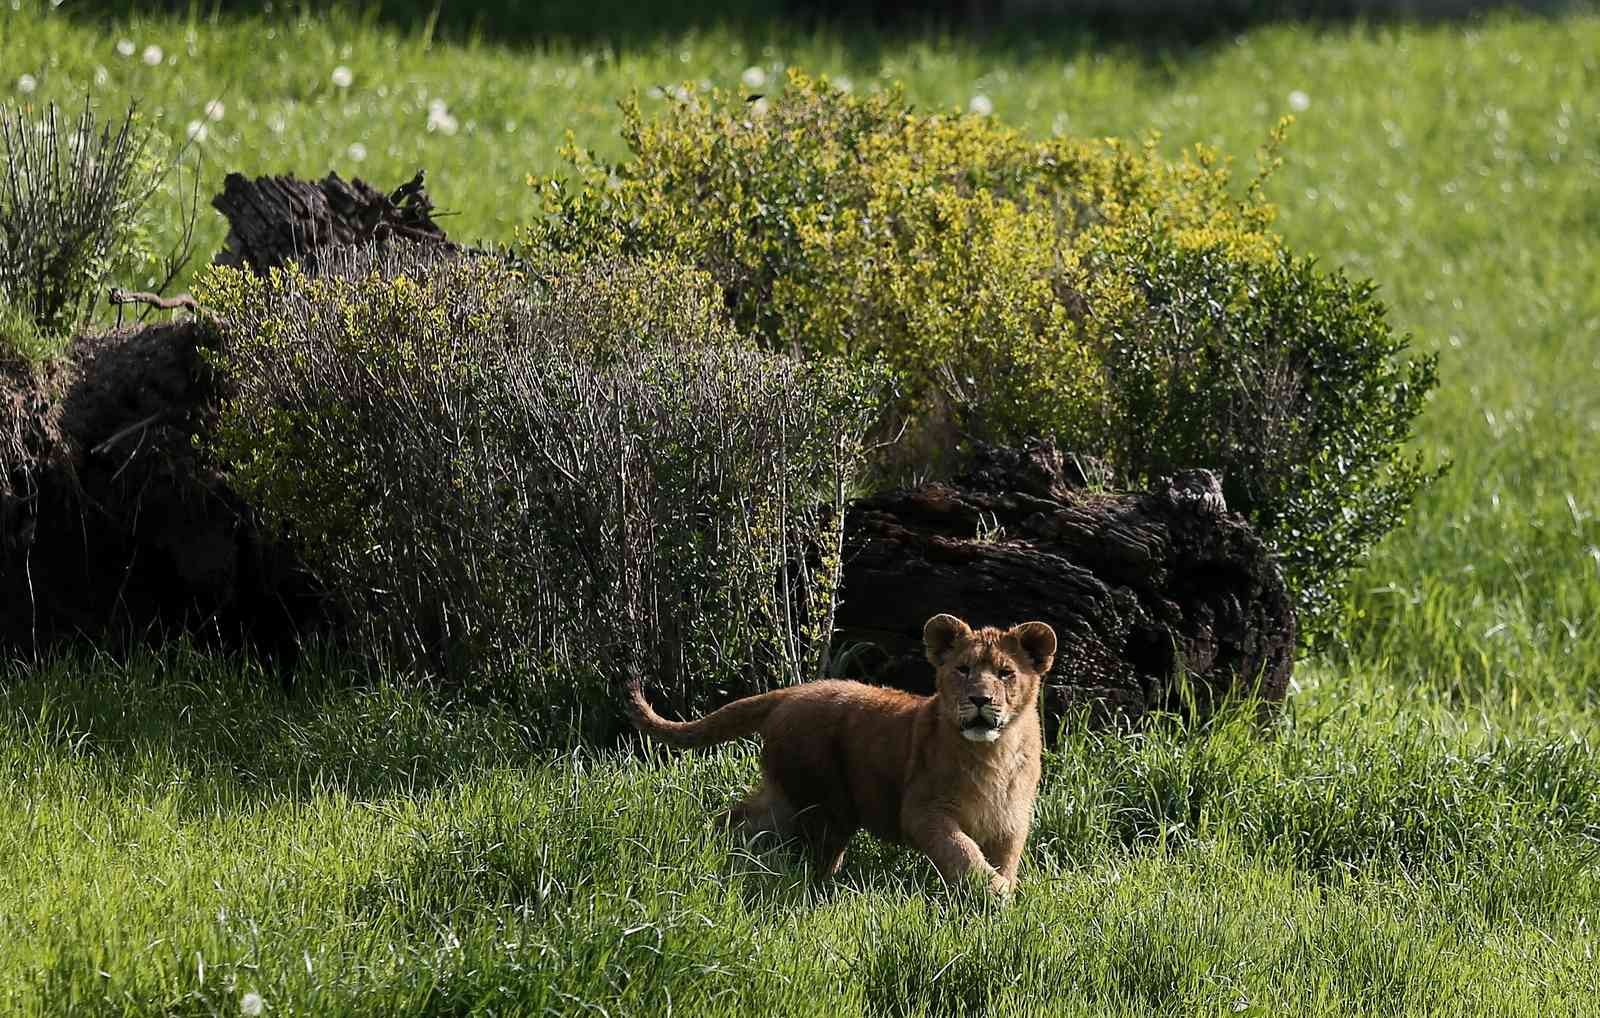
pixel 1161 600
pixel 275 220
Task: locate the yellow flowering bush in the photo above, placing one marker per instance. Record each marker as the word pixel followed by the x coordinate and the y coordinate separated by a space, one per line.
pixel 1016 287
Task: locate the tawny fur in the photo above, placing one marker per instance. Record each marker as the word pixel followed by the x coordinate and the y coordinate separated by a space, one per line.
pixel 936 773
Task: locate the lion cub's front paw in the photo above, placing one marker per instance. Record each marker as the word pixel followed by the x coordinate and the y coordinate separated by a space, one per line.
pixel 1000 887
pixel 985 883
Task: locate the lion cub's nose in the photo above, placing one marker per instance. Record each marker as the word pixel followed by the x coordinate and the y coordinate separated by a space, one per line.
pixel 980 701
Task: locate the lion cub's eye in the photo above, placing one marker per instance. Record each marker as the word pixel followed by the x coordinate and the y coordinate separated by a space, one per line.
pixel 1006 673
pixel 964 669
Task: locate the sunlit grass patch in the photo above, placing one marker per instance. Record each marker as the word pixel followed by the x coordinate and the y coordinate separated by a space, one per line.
pixel 1341 861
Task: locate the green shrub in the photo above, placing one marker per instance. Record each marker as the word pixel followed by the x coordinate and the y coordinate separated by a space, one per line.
pixel 72 204
pixel 569 478
pixel 948 246
pixel 1286 380
pixel 1015 288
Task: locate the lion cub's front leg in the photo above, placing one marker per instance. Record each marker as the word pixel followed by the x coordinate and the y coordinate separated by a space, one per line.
pixel 1006 855
pixel 955 855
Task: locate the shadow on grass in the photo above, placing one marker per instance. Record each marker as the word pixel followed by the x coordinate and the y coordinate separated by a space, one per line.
pixel 1159 31
pixel 225 724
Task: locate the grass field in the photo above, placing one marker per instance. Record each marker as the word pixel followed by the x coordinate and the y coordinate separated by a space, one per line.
pixel 1420 838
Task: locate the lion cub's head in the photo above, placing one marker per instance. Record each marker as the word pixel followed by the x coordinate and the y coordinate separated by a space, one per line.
pixel 987 677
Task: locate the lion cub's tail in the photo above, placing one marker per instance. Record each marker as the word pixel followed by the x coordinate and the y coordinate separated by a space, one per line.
pixel 739 718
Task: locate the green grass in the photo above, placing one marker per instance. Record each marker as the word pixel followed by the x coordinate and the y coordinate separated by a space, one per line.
pixel 180 838
pixel 1421 839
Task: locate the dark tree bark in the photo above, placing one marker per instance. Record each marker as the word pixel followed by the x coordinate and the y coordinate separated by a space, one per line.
pixel 275 220
pixel 1142 589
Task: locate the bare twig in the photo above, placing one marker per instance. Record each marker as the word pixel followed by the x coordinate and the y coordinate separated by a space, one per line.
pixel 125 432
pixel 183 245
pixel 120 296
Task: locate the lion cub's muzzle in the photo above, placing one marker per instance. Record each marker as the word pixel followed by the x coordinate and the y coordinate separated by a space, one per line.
pixel 981 722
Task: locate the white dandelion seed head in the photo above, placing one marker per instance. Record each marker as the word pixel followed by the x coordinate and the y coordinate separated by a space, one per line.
pixel 981 104
pixel 844 84
pixel 440 118
pixel 196 130
pixel 215 109
pixel 101 75
pixel 152 55
pixel 357 152
pixel 1299 101
pixel 342 76
pixel 753 77
pixel 251 1004
pixel 27 83
pixel 759 107
pixel 125 47
pixel 441 121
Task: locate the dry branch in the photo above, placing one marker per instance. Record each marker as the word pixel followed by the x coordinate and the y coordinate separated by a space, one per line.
pixel 119 297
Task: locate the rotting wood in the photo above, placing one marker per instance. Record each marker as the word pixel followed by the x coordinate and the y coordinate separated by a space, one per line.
pixel 1162 600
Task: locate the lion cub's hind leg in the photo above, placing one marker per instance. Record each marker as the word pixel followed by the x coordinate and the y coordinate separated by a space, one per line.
pixel 764 818
pixel 825 840
pixel 767 818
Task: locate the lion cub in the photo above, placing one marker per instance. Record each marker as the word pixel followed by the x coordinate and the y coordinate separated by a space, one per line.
pixel 953 774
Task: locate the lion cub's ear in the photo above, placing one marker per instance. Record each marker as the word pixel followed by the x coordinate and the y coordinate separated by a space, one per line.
pixel 1038 641
pixel 941 634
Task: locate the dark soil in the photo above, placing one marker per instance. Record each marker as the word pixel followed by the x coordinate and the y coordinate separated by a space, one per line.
pixel 117 528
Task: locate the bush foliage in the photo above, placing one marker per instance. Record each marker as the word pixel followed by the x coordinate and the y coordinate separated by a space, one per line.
pixel 72 216
pixel 570 477
pixel 1017 288
pixel 1286 379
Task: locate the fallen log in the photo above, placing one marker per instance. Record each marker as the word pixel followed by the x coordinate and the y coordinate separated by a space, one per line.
pixel 275 220
pixel 1161 600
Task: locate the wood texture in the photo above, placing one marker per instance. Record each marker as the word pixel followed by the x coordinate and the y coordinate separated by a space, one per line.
pixel 273 220
pixel 1161 599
